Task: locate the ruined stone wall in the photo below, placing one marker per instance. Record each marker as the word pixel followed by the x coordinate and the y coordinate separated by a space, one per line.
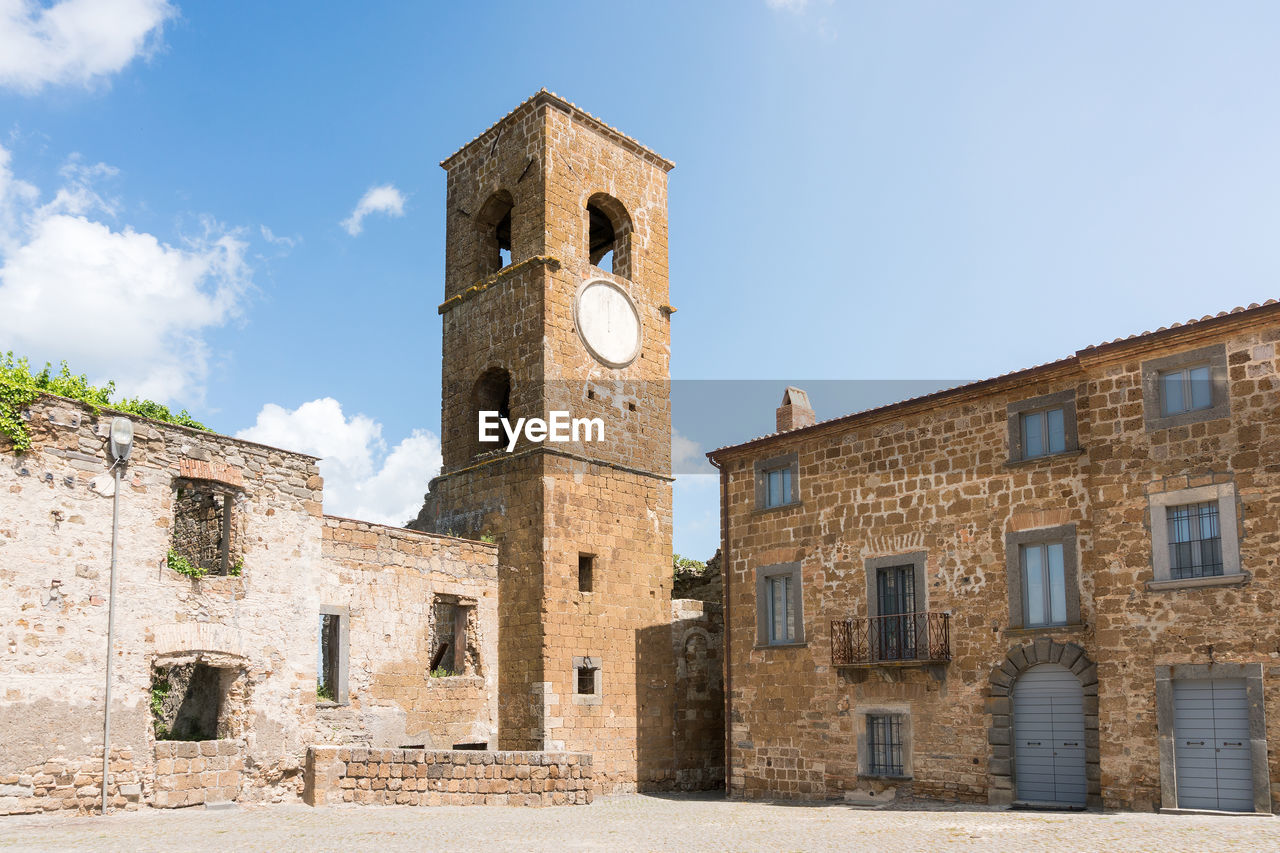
pixel 936 479
pixel 192 773
pixel 55 541
pixel 391 580
pixel 414 777
pixel 697 642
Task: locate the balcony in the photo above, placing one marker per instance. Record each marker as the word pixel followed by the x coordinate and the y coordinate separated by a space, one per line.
pixel 906 639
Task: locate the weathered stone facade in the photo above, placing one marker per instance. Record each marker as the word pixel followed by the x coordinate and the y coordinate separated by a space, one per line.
pixel 557 188
pixel 242 647
pixel 939 486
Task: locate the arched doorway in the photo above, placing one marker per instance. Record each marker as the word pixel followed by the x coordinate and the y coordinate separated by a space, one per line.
pixel 1048 736
pixel 1003 770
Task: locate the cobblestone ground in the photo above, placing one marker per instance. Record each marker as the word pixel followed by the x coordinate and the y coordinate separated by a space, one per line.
pixel 640 823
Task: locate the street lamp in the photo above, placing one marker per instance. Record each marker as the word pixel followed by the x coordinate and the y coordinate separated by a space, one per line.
pixel 120 445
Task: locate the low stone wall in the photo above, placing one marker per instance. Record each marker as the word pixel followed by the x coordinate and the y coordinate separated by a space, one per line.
pixel 446 777
pixel 60 783
pixel 189 773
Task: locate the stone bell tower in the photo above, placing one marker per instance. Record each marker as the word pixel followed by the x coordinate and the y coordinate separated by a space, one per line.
pixel 556 300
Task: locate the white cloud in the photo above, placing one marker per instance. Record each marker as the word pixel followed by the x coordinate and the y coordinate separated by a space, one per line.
pixel 384 199
pixel 687 456
pixel 788 5
pixel 361 478
pixel 74 41
pixel 115 302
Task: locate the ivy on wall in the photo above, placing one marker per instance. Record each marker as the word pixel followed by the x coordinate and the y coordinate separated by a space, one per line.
pixel 20 387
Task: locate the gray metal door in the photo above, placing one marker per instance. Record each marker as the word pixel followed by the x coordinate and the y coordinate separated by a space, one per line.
pixel 1211 745
pixel 1048 736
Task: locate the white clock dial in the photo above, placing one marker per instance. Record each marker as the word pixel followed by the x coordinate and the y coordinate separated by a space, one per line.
pixel 607 323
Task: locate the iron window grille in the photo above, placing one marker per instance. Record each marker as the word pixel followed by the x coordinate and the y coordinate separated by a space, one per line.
pixel 1188 389
pixel 1195 540
pixel 884 744
pixel 1043 433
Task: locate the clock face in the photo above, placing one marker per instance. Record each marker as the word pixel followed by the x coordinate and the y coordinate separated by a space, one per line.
pixel 607 323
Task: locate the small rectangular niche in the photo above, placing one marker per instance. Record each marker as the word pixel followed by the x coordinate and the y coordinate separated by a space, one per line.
pixel 586 572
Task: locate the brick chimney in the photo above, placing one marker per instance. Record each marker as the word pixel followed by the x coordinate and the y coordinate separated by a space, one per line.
pixel 795 411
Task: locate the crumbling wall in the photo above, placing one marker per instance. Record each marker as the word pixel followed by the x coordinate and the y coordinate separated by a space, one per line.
pixel 697 644
pixel 55 546
pixel 397 586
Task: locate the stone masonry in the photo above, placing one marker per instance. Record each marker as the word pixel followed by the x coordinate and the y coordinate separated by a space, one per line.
pixel 935 482
pixel 413 777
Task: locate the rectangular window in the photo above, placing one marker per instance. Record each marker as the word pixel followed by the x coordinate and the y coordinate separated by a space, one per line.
pixel 1188 389
pixel 778 487
pixel 1044 585
pixel 586 681
pixel 884 744
pixel 203 540
pixel 330 654
pixel 1043 433
pixel 1195 540
pixel 782 618
pixel 586 570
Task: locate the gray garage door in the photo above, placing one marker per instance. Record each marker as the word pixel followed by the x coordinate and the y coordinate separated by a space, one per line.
pixel 1048 736
pixel 1211 745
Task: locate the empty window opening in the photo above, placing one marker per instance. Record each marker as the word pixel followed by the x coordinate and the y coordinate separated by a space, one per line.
pixel 586 681
pixel 609 235
pixel 884 743
pixel 491 393
pixel 187 701
pixel 453 638
pixel 471 746
pixel 586 572
pixel 327 674
pixel 494 223
pixel 203 541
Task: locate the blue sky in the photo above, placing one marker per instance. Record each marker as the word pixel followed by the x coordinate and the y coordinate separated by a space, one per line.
pixel 896 190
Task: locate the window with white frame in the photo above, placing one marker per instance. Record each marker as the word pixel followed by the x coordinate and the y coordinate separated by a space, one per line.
pixel 1043 433
pixel 779 607
pixel 1044 584
pixel 1187 389
pixel 776 481
pixel 1194 535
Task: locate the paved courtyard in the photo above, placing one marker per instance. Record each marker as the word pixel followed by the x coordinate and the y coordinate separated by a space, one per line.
pixel 639 823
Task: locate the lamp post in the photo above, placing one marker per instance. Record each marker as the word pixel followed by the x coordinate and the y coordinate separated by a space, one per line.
pixel 121 445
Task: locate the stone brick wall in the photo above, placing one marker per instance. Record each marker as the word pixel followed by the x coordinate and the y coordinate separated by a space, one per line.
pixel 447 777
pixel 697 641
pixel 62 783
pixel 390 579
pixel 546 505
pixel 259 629
pixel 190 773
pixel 934 476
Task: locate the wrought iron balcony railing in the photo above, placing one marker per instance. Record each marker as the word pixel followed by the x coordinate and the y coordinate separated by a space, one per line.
pixel 905 638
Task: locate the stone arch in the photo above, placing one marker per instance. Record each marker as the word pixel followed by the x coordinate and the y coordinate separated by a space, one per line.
pixel 493 224
pixel 609 230
pixel 490 393
pixel 1000 768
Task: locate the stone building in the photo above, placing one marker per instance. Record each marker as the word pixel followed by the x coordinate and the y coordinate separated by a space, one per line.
pixel 265 651
pixel 288 629
pixel 556 299
pixel 1058 585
